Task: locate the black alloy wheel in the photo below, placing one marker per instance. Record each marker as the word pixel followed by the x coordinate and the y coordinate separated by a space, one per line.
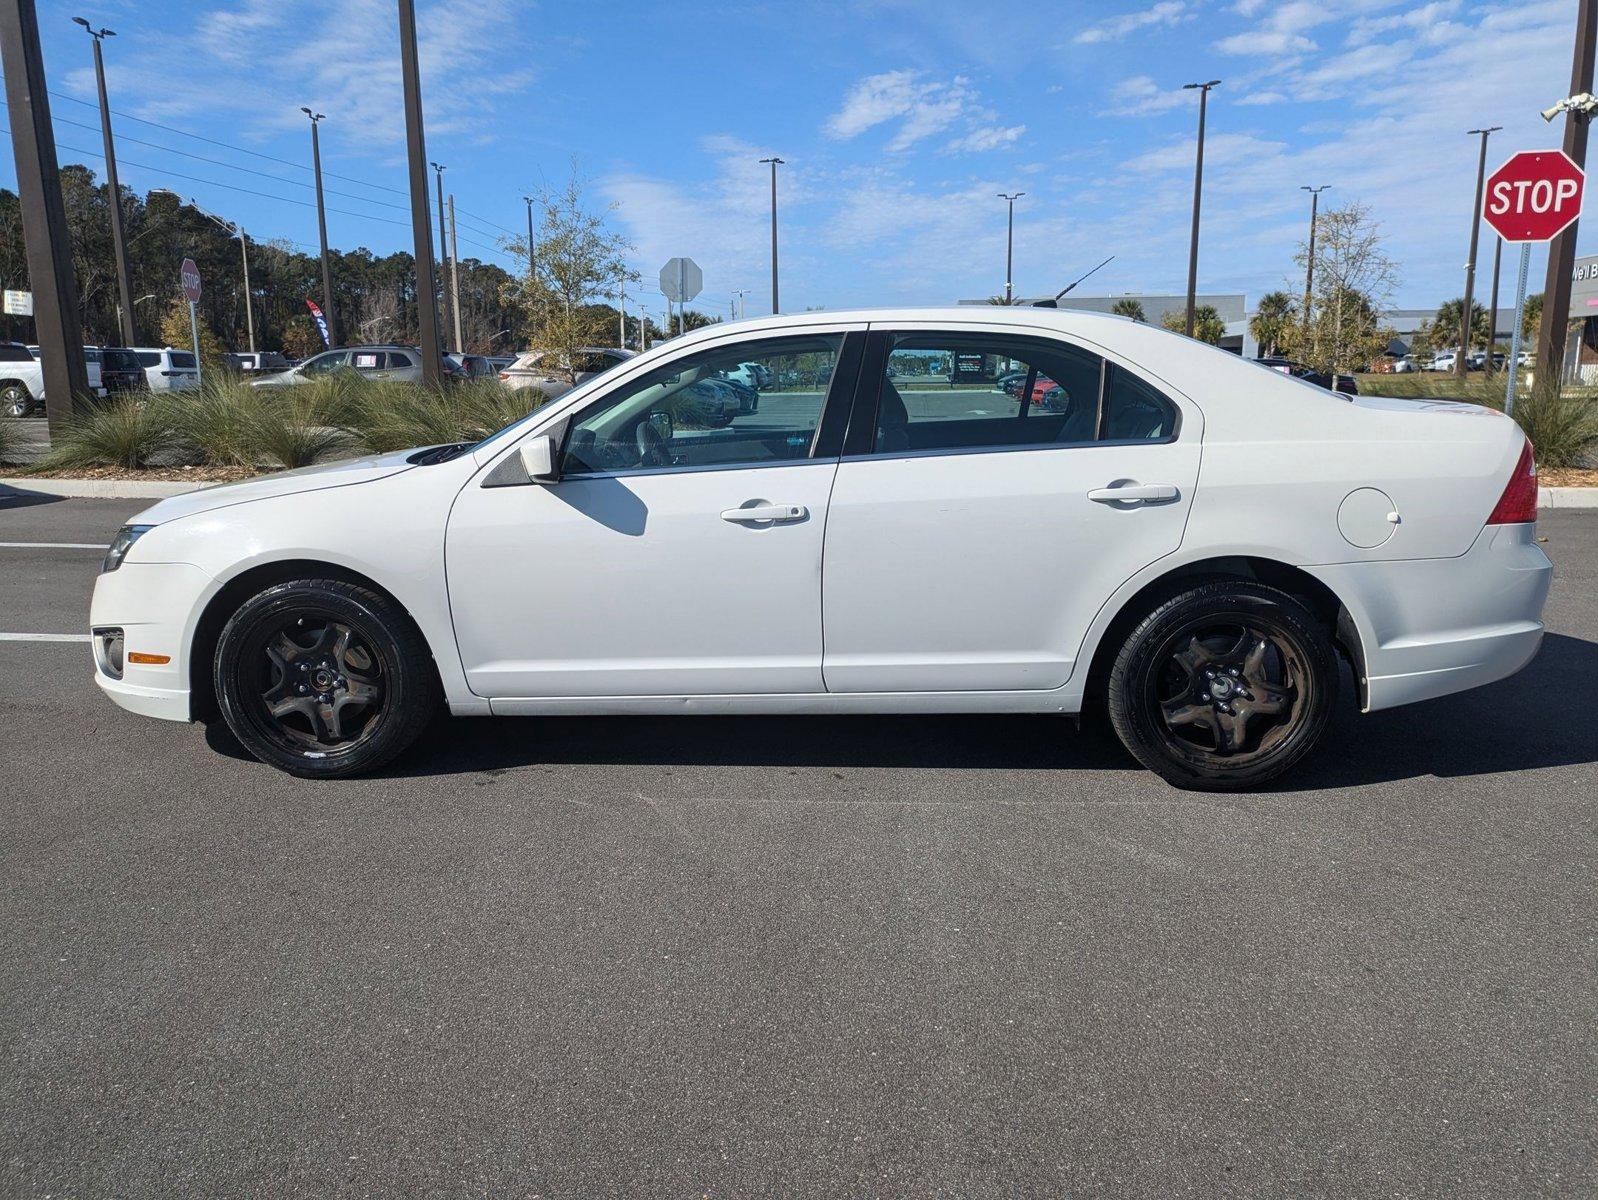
pixel 1224 687
pixel 323 678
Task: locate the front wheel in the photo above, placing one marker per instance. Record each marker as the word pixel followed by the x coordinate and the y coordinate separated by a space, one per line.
pixel 1224 687
pixel 323 679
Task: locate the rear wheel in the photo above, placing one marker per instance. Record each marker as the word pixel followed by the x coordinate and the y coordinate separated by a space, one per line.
pixel 1224 687
pixel 15 400
pixel 323 679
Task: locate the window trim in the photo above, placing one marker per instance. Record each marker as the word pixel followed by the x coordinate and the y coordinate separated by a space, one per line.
pixel 867 401
pixel 835 405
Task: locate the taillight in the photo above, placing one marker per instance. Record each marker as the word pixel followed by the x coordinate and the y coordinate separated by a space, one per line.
pixel 1518 504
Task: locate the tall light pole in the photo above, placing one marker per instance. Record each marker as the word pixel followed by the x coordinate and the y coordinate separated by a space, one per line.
pixel 235 230
pixel 740 293
pixel 1492 307
pixel 1198 190
pixel 532 244
pixel 1461 366
pixel 775 163
pixel 328 308
pixel 455 276
pixel 443 234
pixel 119 247
pixel 1562 251
pixel 416 161
pixel 1009 245
pixel 1309 262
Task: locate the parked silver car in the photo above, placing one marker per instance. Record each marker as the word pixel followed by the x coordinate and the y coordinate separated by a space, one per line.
pixel 537 369
pixel 386 363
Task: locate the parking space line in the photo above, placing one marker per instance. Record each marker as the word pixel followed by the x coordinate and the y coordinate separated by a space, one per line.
pixel 52 545
pixel 46 637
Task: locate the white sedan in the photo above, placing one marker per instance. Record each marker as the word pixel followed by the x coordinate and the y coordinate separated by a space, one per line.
pixel 1181 537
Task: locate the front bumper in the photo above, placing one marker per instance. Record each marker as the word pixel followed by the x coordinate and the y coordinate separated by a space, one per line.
pixel 1432 627
pixel 155 605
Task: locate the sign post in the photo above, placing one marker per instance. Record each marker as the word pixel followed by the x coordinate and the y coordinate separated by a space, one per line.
pixel 1531 198
pixel 681 280
pixel 189 275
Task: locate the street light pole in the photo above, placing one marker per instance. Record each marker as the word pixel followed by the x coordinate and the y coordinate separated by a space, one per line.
pixel 1461 366
pixel 1492 308
pixel 1309 262
pixel 1198 189
pixel 775 163
pixel 455 276
pixel 443 234
pixel 1009 245
pixel 114 188
pixel 416 158
pixel 1562 251
pixel 532 245
pixel 328 308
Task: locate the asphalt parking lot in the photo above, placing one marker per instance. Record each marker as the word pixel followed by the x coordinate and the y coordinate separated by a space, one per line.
pixel 964 956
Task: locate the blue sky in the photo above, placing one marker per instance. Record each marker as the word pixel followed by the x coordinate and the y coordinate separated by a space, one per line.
pixel 899 121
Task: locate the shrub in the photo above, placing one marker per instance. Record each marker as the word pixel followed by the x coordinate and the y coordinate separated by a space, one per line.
pixel 9 439
pixel 295 426
pixel 216 422
pixel 1563 426
pixel 123 432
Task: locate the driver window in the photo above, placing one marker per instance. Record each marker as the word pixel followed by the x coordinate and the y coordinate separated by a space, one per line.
pixel 747 404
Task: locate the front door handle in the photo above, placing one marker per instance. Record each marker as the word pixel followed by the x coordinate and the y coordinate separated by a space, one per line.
pixel 762 513
pixel 1133 492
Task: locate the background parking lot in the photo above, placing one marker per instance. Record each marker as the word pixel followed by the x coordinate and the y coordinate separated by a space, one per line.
pixel 970 955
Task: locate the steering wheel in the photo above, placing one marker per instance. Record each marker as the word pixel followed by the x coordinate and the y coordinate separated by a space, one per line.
pixel 652 451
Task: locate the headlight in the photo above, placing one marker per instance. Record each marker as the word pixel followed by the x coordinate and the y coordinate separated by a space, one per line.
pixel 121 544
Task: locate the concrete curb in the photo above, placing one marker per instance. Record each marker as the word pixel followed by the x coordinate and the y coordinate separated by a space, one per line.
pixel 99 489
pixel 138 489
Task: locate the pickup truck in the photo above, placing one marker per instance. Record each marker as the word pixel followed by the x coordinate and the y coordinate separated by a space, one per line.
pixel 22 379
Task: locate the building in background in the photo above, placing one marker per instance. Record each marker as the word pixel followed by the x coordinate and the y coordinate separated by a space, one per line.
pixel 1232 308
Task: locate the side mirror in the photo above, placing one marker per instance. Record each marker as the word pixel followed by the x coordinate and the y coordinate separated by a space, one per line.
pixel 538 457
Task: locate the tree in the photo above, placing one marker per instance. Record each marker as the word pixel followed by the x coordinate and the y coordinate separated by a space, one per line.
pixel 1531 318
pixel 177 333
pixel 1447 321
pixel 1354 280
pixel 1275 322
pixel 579 261
pixel 1127 306
pixel 1207 323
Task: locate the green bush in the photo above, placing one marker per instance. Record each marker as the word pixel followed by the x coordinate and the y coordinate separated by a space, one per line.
pixel 127 431
pixel 289 430
pixel 1563 426
pixel 216 422
pixel 10 438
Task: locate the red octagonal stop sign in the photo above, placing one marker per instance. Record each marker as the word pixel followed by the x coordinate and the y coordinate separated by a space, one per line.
pixel 1533 196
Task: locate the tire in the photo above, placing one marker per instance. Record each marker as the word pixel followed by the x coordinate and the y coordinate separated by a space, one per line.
pixel 1224 687
pixel 15 400
pixel 324 679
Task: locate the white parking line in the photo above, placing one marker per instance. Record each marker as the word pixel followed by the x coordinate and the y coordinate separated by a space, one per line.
pixel 52 545
pixel 45 637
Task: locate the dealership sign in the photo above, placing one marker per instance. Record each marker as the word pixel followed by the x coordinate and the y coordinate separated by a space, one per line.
pixel 1534 196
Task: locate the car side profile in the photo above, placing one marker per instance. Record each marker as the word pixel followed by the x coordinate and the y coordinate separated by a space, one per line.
pixel 1178 536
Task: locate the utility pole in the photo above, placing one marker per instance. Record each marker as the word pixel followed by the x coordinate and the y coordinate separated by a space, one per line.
pixel 1461 366
pixel 740 293
pixel 119 246
pixel 1198 190
pixel 443 234
pixel 455 276
pixel 775 163
pixel 1309 262
pixel 1492 309
pixel 416 155
pixel 621 313
pixel 234 230
pixel 48 244
pixel 1009 245
pixel 1562 251
pixel 643 328
pixel 328 309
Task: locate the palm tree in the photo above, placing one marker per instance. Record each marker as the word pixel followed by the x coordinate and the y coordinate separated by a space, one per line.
pixel 1129 307
pixel 1274 321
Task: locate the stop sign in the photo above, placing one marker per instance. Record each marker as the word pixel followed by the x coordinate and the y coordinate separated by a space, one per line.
pixel 189 276
pixel 1533 196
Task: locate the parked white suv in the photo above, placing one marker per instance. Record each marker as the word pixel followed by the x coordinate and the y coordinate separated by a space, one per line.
pixel 169 370
pixel 391 363
pixel 22 378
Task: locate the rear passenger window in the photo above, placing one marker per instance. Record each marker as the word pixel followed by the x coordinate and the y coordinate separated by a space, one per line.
pixel 951 392
pixel 183 359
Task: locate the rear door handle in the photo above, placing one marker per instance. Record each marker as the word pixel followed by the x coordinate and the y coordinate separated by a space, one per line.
pixel 1133 492
pixel 762 513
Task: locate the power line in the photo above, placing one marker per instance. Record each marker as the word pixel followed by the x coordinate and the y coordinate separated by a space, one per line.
pixel 230 146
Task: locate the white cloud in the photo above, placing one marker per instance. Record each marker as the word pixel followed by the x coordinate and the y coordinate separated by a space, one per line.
pixel 1141 95
pixel 1254 98
pixel 922 107
pixel 1113 29
pixel 1264 43
pixel 989 138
